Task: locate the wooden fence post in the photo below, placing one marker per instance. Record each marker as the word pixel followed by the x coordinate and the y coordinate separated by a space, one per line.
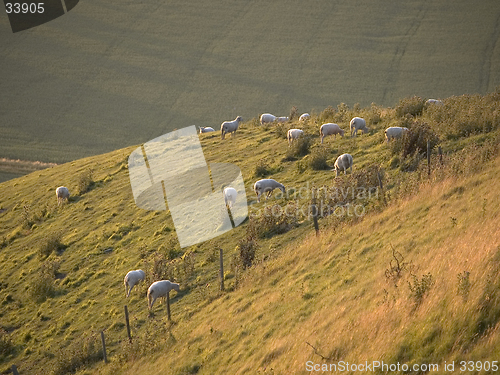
pixel 221 261
pixel 428 158
pixel 440 152
pixel 104 348
pixel 128 324
pixel 14 370
pixel 314 212
pixel 381 186
pixel 168 305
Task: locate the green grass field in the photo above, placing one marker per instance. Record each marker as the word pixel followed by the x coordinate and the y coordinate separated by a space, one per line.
pixel 412 278
pixel 107 76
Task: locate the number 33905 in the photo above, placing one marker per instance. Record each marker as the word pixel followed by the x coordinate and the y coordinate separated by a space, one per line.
pixel 24 8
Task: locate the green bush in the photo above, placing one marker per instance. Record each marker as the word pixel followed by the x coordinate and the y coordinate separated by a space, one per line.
pixel 51 244
pixel 86 181
pixel 412 147
pixel 327 115
pixel 262 168
pixel 317 159
pixel 246 249
pixel 280 130
pixel 41 286
pixel 274 220
pixel 6 345
pixel 420 288
pixel 299 148
pixel 462 116
pixel 413 106
pixel 80 354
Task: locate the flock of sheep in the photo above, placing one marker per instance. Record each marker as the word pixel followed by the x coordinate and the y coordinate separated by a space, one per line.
pixel 160 289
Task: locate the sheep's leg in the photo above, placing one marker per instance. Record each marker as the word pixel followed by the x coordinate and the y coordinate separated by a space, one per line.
pixel 269 194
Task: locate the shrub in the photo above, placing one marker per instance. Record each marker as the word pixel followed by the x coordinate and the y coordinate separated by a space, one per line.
pixel 50 244
pixel 420 288
pixel 280 130
pixel 413 145
pixel 246 249
pixel 86 181
pixel 375 114
pixel 327 115
pixel 472 158
pixel 360 188
pixel 463 287
pixel 82 353
pixel 41 285
pixel 343 114
pixel 6 345
pixel 300 147
pixel 274 220
pixel 318 158
pixel 465 115
pixel 158 266
pixel 413 106
pixel 262 168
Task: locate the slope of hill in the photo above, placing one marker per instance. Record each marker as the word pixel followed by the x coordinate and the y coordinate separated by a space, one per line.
pixel 410 277
pixel 106 76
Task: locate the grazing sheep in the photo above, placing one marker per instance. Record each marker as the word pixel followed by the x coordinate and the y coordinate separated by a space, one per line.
pixel 132 278
pixel 282 119
pixel 304 117
pixel 434 101
pixel 358 123
pixel 343 162
pixel 267 185
pixel 160 289
pixel 62 193
pixel 230 126
pixel 206 129
pixel 394 132
pixel 267 118
pixel 293 134
pixel 230 195
pixel 330 129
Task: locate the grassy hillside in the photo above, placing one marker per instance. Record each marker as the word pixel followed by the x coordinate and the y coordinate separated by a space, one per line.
pixel 106 76
pixel 411 277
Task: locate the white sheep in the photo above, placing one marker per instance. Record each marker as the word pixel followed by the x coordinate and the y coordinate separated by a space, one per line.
pixel 282 119
pixel 358 123
pixel 304 117
pixel 62 193
pixel 131 279
pixel 160 289
pixel 434 101
pixel 230 195
pixel 267 185
pixel 343 162
pixel 394 132
pixel 293 134
pixel 267 118
pixel 230 126
pixel 330 129
pixel 206 129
